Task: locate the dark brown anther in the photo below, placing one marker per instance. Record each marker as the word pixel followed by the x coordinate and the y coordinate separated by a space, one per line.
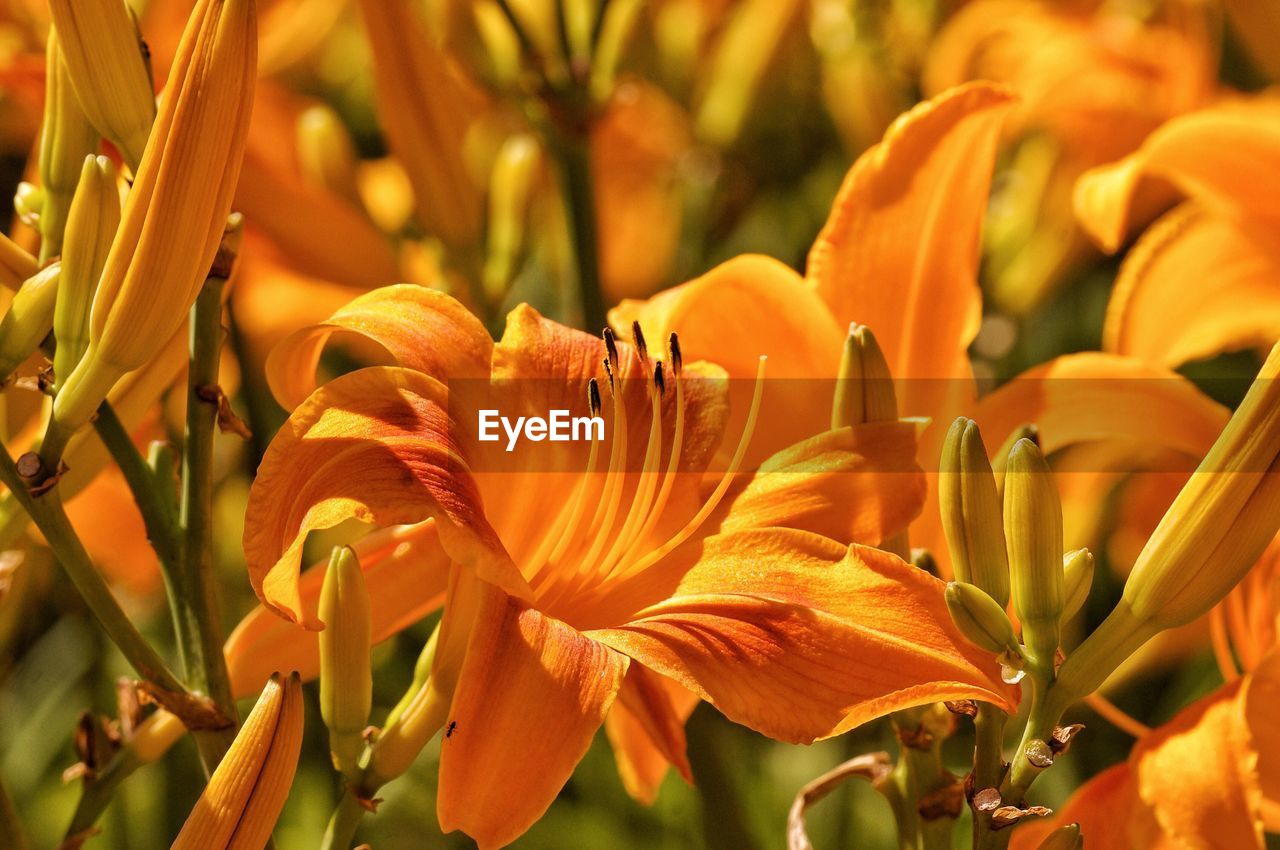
pixel 1062 736
pixel 1039 753
pixel 965 707
pixel 642 348
pixel 658 379
pixel 987 800
pixel 593 396
pixel 944 802
pixel 677 359
pixel 608 370
pixel 611 346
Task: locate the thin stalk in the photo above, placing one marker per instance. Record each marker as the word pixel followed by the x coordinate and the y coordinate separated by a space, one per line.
pixel 341 832
pixel 196 618
pixel 99 791
pixel 158 512
pixel 265 415
pixel 575 169
pixel 47 513
pixel 988 761
pixel 12 834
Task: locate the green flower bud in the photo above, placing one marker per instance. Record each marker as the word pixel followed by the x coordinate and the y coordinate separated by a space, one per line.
pixel 346 682
pixel 91 227
pixel 515 173
pixel 1033 528
pixel 971 512
pixel 326 154
pixel 1077 579
pixel 28 320
pixel 864 385
pixel 1001 457
pixel 66 138
pixel 980 619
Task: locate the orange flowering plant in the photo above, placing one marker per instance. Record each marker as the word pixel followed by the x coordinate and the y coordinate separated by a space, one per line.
pixel 619 424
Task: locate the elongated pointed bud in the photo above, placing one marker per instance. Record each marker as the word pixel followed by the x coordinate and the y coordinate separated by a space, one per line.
pixel 421 672
pixel 1001 458
pixel 511 185
pixel 1065 838
pixel 91 227
pixel 980 619
pixel 864 385
pixel 326 154
pixel 346 681
pixel 28 319
pixel 1077 580
pixel 972 516
pixel 104 59
pixel 1212 534
pixel 244 797
pixel 426 112
pixel 176 213
pixel 1033 531
pixel 66 138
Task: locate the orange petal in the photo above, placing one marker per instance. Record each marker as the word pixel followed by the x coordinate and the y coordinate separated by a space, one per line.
pixel 378 445
pixel 1106 807
pixel 1225 158
pixel 1260 702
pixel 859 485
pixel 405 571
pixel 899 252
pixel 532 693
pixel 799 638
pixel 1198 772
pixel 646 728
pixel 418 327
pixel 744 308
pixel 1195 284
pixel 1092 396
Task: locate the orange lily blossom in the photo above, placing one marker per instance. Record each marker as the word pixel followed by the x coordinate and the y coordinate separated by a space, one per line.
pixel 1205 277
pixel 899 254
pixel 1211 775
pixel 579 574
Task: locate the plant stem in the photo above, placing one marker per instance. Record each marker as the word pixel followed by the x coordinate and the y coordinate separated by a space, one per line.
pixel 12 834
pixel 158 512
pixel 100 790
pixel 575 168
pixel 341 831
pixel 195 608
pixel 988 761
pixel 47 512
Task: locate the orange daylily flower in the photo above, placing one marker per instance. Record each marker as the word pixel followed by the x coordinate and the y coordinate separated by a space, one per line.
pixel 1205 278
pixel 1212 773
pixel 593 574
pixel 1094 80
pixel 899 254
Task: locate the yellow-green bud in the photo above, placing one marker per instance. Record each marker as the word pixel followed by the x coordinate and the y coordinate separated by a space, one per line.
pixel 1065 838
pixel 971 512
pixel 1033 531
pixel 325 152
pixel 1001 457
pixel 346 681
pixel 980 619
pixel 864 386
pixel 28 203
pixel 91 227
pixel 103 56
pixel 421 673
pixel 1077 579
pixel 66 138
pixel 29 319
pixel 510 188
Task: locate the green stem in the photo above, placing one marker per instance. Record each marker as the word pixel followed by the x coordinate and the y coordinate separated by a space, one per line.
pixel 12 834
pixel 47 512
pixel 575 167
pixel 341 832
pixel 265 415
pixel 195 612
pixel 988 762
pixel 158 511
pixel 100 790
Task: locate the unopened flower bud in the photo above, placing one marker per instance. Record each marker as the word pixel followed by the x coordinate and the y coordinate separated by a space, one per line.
pixel 980 619
pixel 971 512
pixel 244 797
pixel 864 386
pixel 325 152
pixel 91 227
pixel 176 212
pixel 66 138
pixel 28 319
pixel 1033 531
pixel 346 682
pixel 511 185
pixel 28 203
pixel 1001 457
pixel 1077 580
pixel 103 55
